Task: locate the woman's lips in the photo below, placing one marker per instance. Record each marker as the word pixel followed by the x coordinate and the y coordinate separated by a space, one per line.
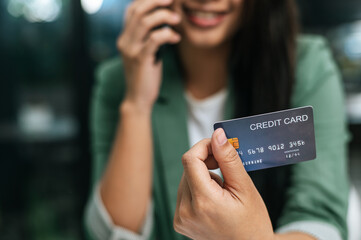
pixel 204 19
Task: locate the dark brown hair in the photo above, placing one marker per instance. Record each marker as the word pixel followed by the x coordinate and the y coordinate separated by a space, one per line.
pixel 264 57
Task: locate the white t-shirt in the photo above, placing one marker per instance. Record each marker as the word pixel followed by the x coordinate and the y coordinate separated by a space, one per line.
pixel 202 114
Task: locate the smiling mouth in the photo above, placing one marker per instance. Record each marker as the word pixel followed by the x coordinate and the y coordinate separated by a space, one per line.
pixel 204 19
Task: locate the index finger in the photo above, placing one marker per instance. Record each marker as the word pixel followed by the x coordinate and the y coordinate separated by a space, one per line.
pixel 141 7
pixel 195 169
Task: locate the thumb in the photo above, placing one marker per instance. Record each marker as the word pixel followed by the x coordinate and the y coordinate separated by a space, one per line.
pixel 234 174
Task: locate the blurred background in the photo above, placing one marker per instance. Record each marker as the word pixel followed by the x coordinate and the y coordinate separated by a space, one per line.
pixel 48 52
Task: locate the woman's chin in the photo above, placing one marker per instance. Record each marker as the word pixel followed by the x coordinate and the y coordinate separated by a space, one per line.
pixel 204 41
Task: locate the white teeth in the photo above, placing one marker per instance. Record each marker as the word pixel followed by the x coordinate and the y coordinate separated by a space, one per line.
pixel 206 15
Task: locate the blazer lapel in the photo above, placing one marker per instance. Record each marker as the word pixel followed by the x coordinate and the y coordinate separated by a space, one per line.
pixel 170 126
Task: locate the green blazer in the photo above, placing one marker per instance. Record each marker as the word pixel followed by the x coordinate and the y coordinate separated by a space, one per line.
pixel 315 190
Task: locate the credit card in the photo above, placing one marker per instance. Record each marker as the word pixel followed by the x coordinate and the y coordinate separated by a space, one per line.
pixel 272 139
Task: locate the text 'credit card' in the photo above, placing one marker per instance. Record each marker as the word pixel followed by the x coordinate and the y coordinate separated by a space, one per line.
pixel 272 139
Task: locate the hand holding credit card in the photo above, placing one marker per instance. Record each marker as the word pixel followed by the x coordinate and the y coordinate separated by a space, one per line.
pixel 272 139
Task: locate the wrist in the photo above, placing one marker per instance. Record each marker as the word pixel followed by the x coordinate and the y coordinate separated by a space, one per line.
pixel 135 108
pixel 293 236
pixel 271 236
pixel 275 236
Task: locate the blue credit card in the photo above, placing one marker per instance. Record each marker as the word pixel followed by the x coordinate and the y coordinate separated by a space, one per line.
pixel 272 139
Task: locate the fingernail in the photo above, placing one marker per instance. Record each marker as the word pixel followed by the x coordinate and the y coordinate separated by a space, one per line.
pixel 220 136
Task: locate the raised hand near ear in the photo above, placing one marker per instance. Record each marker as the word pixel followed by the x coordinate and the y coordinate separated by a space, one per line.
pixel 138 45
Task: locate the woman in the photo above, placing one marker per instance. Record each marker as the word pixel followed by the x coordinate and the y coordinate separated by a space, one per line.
pixel 228 58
